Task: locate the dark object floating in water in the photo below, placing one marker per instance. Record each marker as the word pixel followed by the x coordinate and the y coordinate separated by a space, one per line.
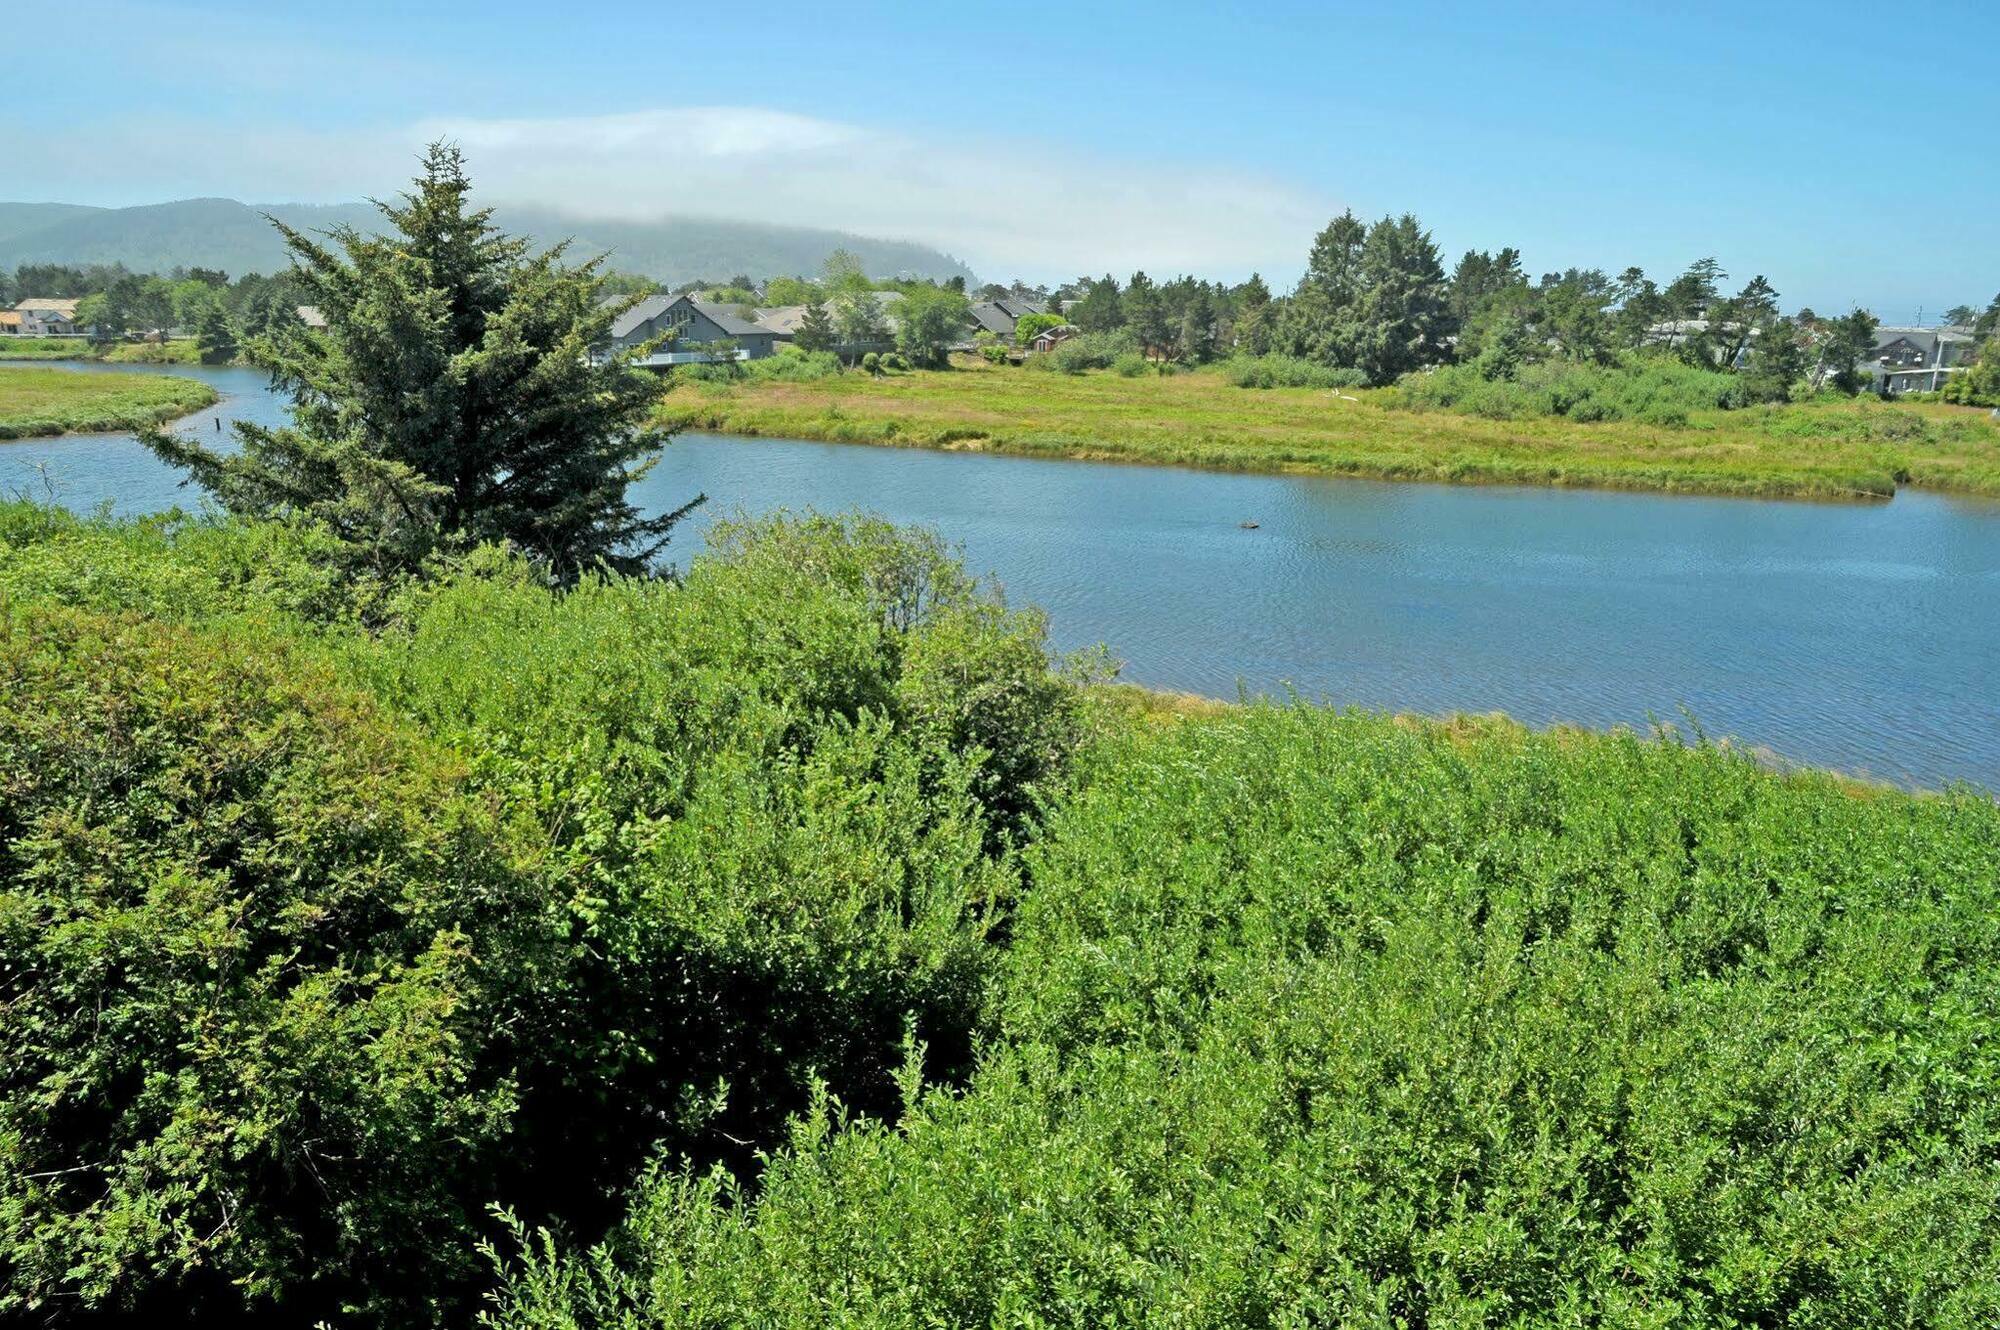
pixel 1248 526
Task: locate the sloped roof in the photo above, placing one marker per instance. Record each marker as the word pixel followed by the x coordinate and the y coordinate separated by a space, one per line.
pixel 311 317
pixel 649 308
pixel 59 304
pixel 726 318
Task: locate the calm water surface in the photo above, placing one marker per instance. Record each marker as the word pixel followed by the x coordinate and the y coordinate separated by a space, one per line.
pixel 1865 638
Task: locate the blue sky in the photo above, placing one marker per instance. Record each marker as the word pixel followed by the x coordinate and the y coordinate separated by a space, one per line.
pixel 1845 150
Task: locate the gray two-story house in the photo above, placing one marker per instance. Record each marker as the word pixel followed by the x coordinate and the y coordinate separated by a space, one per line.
pixel 1917 360
pixel 697 326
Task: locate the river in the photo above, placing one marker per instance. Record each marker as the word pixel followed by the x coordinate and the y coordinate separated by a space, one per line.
pixel 1860 637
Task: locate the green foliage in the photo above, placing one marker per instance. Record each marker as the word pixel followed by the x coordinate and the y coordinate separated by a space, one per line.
pixel 871 363
pixel 816 331
pixel 1130 365
pixel 452 399
pixel 1650 390
pixel 1978 384
pixel 1030 324
pixel 317 941
pixel 253 939
pixel 1280 371
pixel 36 401
pixel 1373 298
pixel 215 336
pixel 1315 1019
pixel 929 321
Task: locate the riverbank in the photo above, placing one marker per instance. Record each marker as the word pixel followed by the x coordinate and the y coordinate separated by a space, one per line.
pixel 1859 449
pixel 180 351
pixel 36 402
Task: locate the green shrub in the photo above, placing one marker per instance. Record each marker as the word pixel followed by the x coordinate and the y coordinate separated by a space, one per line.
pixel 1281 371
pixel 1130 365
pixel 738 828
pixel 1322 1019
pixel 257 942
pixel 1652 390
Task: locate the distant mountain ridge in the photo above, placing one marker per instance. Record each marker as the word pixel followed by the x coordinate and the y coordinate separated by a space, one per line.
pixel 233 236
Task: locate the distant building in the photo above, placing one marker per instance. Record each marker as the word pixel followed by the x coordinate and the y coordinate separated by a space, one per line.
pixel 786 320
pixel 10 322
pixel 1917 360
pixel 47 316
pixel 312 318
pixel 696 325
pixel 1048 339
pixel 999 316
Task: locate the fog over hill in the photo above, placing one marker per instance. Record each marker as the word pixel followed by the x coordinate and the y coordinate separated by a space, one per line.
pixel 235 237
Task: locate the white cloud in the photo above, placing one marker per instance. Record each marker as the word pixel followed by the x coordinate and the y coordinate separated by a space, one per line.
pixel 1008 208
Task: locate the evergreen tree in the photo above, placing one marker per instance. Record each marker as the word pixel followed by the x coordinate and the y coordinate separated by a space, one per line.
pixel 1145 314
pixel 215 336
pixel 1252 329
pixel 1404 314
pixel 1777 362
pixel 815 328
pixel 1196 342
pixel 452 399
pixel 1101 308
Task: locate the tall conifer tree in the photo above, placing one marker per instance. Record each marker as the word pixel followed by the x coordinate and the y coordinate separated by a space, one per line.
pixel 458 394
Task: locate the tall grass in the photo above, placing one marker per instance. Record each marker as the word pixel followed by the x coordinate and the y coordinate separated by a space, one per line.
pixel 54 401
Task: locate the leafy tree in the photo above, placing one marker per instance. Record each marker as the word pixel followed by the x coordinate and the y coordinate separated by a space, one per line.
pixel 1028 325
pixel 782 291
pixel 104 318
pixel 452 400
pixel 215 336
pixel 857 315
pixel 871 364
pixel 842 271
pixel 929 321
pixel 816 331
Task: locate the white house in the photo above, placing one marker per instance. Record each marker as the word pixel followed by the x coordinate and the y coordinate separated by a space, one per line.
pixel 47 316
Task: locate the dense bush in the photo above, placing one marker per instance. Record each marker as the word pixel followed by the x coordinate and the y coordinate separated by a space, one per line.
pixel 1281 371
pixel 1086 351
pixel 1320 1020
pixel 1650 390
pixel 317 940
pixel 788 365
pixel 255 942
pixel 1130 365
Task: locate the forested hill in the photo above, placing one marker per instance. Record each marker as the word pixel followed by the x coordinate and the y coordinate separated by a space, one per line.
pixel 232 236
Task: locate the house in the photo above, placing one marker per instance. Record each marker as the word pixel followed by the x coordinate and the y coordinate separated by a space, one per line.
pixel 786 320
pixel 10 322
pixel 47 316
pixel 1917 360
pixel 311 317
pixel 1048 339
pixel 694 325
pixel 999 316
